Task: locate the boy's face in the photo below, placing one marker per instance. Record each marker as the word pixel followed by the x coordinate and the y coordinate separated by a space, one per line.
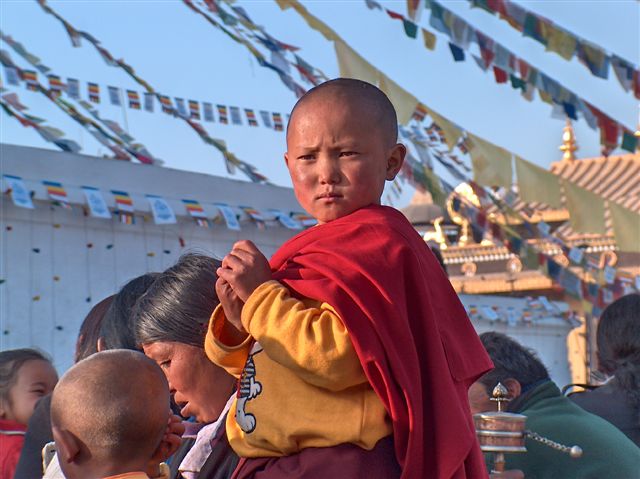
pixel 338 157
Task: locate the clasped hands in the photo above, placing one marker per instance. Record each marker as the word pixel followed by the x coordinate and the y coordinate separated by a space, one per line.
pixel 243 270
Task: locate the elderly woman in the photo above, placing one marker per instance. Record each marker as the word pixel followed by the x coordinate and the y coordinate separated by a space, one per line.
pixel 171 323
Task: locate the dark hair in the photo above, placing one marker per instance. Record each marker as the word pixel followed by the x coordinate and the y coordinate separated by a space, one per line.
pixel 357 89
pixel 89 333
pixel 10 363
pixel 438 254
pixel 179 304
pixel 117 329
pixel 510 360
pixel 618 339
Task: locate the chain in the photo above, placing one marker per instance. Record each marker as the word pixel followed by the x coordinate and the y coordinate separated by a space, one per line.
pixel 573 451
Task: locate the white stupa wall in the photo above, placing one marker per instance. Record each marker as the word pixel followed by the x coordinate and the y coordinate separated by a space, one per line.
pixel 57 263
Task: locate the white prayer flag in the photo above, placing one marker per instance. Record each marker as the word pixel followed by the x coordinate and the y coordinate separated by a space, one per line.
pixel 229 216
pixel 162 212
pixel 286 220
pixel 19 193
pixel 96 203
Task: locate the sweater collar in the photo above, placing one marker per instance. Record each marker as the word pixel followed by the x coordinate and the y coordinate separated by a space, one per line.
pixel 543 390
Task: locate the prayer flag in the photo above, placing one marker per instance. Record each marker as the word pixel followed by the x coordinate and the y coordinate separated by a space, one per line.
pixel 586 209
pixel 207 110
pixel 500 74
pixel 181 108
pixel 594 58
pixel 429 39
pixel 55 84
pixel 229 216
pixel 73 88
pixel 134 99
pixel 277 122
pixel 266 118
pixel 123 201
pixel 560 41
pixel 96 203
pixel 255 215
pixel 235 115
pixel 114 95
pixel 148 101
pixel 420 112
pixel 12 75
pixel 165 103
pixel 162 212
pixel 194 109
pixel 304 219
pixel 30 77
pixel 629 141
pixel 286 220
pixel 626 228
pixel 457 52
pixel 57 193
pixel 19 193
pixel 196 211
pixel 251 117
pixel 94 92
pixel 13 100
pixel 491 163
pixel 451 131
pixel 537 184
pixel 624 72
pixel 222 114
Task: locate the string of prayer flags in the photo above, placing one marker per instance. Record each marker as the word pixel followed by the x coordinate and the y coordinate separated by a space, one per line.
pixel 194 110
pixel 19 193
pixel 196 211
pixel 162 212
pixel 277 122
pixel 134 99
pixel 207 111
pixel 229 216
pixel 235 115
pixel 57 193
pixel 96 203
pixel 286 220
pixel 251 117
pixel 255 215
pixel 94 92
pixel 114 95
pixel 222 114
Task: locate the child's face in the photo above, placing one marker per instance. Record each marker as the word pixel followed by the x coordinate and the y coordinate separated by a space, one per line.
pixel 337 157
pixel 36 378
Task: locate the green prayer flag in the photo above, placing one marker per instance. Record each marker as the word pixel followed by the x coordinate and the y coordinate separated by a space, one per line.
pixel 629 141
pixel 517 82
pixel 410 28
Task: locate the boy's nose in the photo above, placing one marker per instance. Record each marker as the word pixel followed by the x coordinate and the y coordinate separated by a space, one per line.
pixel 329 172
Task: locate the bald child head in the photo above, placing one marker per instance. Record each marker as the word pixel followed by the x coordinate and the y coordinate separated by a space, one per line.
pixel 366 101
pixel 115 406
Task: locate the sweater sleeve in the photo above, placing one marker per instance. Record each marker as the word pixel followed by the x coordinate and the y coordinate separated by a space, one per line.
pixel 231 358
pixel 304 336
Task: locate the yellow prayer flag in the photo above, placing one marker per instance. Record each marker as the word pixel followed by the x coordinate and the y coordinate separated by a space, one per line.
pixel 429 39
pixel 561 42
pixel 352 65
pixel 586 209
pixel 545 96
pixel 537 184
pixel 403 101
pixel 451 132
pixel 491 163
pixel 626 227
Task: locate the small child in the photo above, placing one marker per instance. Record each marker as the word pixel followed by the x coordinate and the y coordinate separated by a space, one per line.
pixel 109 414
pixel 25 376
pixel 351 345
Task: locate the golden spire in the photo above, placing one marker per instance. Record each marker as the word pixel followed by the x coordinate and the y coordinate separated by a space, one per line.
pixel 569 145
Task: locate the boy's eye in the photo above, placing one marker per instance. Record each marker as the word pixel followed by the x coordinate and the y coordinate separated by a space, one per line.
pixel 165 364
pixel 347 153
pixel 307 157
pixel 39 392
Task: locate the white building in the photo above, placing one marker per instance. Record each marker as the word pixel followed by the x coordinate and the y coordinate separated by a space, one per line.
pixel 57 263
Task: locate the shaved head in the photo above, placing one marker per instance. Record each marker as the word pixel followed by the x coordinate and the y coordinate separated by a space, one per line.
pixel 364 99
pixel 116 403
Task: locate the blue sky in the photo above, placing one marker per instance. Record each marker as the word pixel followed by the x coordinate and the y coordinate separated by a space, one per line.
pixel 181 55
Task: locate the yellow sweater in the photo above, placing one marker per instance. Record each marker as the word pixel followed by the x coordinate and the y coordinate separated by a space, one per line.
pixel 301 383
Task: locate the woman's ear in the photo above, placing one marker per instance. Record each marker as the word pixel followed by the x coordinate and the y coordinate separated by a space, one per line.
pixel 395 160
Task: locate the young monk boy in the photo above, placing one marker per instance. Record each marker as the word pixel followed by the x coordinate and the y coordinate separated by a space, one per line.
pixel 109 415
pixel 352 343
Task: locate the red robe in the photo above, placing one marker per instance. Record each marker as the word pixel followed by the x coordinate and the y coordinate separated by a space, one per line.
pixel 412 334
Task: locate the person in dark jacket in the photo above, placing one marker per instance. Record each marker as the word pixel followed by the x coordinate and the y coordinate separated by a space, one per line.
pixel 607 452
pixel 618 339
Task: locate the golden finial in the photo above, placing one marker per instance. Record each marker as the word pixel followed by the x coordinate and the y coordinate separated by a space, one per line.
pixel 569 145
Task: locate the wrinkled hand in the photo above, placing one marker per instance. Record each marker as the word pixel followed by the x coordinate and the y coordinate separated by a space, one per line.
pixel 233 331
pixel 168 445
pixel 511 474
pixel 245 268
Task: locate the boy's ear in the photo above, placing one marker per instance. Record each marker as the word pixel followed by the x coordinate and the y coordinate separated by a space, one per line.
pixel 395 160
pixel 67 445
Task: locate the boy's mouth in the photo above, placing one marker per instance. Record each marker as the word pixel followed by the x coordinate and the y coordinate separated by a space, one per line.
pixel 328 195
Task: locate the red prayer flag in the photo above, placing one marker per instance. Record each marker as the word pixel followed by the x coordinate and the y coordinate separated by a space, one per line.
pixel 500 74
